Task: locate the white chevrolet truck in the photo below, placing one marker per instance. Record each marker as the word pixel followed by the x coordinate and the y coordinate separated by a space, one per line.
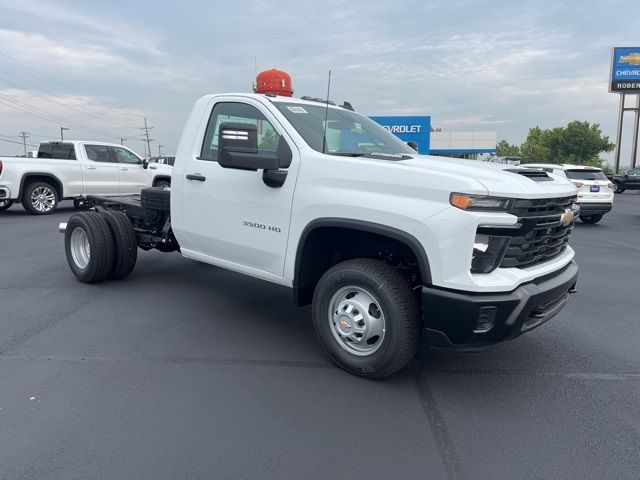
pixel 71 169
pixel 386 244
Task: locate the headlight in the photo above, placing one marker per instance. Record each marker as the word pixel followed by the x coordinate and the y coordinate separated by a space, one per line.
pixel 487 252
pixel 464 201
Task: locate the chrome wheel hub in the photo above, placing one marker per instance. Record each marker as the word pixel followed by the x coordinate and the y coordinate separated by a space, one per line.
pixel 356 320
pixel 79 246
pixel 43 199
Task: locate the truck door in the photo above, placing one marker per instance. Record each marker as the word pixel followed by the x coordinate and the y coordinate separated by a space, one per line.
pixel 100 171
pixel 230 216
pixel 132 175
pixel 633 179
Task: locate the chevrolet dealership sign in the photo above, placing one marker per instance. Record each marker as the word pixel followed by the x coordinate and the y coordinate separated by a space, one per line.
pixel 625 70
pixel 409 129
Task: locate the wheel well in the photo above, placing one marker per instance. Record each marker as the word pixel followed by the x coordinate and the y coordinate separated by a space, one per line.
pixel 42 177
pixel 327 245
pixel 164 179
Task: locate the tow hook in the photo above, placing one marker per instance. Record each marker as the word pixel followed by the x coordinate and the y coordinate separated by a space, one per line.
pixel 572 290
pixel 62 227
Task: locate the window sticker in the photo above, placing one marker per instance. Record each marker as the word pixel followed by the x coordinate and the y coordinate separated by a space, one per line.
pixel 296 109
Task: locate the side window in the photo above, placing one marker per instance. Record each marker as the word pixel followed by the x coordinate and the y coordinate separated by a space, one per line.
pixel 125 156
pixel 63 151
pixel 98 153
pixel 268 137
pixel 634 173
pixel 45 150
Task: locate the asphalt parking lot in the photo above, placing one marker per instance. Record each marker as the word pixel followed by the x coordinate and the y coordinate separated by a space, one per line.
pixel 185 371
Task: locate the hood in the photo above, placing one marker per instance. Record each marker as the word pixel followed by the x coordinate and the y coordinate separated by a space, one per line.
pixel 500 180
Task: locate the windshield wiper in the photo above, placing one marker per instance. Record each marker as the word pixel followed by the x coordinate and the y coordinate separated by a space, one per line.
pixel 347 154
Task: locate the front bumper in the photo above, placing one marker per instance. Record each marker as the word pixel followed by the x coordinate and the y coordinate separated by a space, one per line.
pixel 595 208
pixel 462 320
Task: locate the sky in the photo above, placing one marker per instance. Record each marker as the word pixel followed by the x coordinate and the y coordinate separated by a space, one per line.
pixel 100 68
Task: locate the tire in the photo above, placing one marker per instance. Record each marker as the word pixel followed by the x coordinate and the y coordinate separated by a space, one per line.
pixel 5 204
pixel 125 251
pixel 617 188
pixel 40 198
pixel 590 219
pixel 89 246
pixel 162 184
pixel 385 294
pixel 155 198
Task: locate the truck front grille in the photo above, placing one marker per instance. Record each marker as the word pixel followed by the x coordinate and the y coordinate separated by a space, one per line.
pixel 539 235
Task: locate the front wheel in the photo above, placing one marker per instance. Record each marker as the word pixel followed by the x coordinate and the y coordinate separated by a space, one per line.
pixel 40 198
pixel 617 188
pixel 366 317
pixel 590 219
pixel 5 204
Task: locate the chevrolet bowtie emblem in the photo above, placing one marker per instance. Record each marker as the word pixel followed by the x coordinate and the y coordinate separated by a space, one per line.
pixel 567 217
pixel 345 325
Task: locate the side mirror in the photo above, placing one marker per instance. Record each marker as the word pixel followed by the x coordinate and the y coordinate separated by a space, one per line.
pixel 238 148
pixel 413 145
pixel 145 163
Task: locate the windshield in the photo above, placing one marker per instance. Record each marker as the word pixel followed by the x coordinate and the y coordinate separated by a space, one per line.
pixel 586 175
pixel 348 133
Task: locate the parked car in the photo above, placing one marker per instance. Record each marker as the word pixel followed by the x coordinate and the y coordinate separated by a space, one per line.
pixel 627 181
pixel 595 191
pixel 70 169
pixel 381 240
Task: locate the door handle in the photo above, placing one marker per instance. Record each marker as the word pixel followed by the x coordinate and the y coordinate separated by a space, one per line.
pixel 90 167
pixel 196 176
pixel 124 168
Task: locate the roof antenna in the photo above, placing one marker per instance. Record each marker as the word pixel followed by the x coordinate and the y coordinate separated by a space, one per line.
pixel 255 72
pixel 326 115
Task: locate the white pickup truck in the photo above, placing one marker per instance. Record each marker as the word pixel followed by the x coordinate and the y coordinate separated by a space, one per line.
pixel 72 169
pixel 386 243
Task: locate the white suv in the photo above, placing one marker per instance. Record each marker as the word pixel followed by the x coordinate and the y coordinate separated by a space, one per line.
pixel 595 191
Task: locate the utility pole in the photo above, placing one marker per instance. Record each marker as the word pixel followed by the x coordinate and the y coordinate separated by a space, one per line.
pixel 24 141
pixel 147 129
pixel 62 133
pixel 160 147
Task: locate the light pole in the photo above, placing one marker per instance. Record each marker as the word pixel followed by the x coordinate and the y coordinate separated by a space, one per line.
pixel 62 129
pixel 160 150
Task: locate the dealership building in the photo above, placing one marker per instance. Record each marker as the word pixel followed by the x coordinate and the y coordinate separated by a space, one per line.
pixel 449 144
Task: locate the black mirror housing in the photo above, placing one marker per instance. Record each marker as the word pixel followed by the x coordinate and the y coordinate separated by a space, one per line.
pixel 145 163
pixel 238 148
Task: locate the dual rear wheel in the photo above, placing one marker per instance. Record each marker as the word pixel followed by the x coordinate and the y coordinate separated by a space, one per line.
pixel 100 246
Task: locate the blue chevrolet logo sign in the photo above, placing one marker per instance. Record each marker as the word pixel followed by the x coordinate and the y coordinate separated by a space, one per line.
pixel 409 129
pixel 625 70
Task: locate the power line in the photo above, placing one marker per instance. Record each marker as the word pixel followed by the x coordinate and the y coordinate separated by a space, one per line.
pixel 38 112
pixel 65 102
pixel 72 88
pixel 14 141
pixel 78 126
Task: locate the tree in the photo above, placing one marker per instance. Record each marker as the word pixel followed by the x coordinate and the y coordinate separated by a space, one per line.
pixel 269 140
pixel 505 149
pixel 578 143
